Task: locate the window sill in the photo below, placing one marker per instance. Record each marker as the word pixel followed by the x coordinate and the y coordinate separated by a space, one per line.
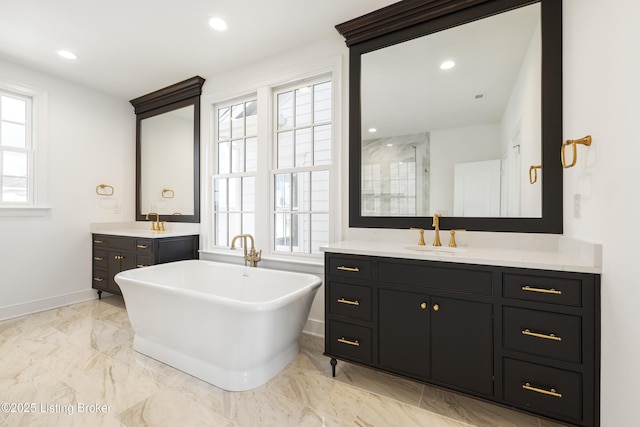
pixel 273 261
pixel 24 211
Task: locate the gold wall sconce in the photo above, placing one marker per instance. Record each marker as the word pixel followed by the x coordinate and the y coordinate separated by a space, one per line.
pixel 104 190
pixel 533 173
pixel 167 194
pixel 573 142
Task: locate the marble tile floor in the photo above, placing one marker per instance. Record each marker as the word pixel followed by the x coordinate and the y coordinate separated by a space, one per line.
pixel 75 366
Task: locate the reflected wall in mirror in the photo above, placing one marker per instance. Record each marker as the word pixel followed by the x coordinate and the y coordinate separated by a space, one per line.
pixel 474 128
pixel 166 165
pixel 168 152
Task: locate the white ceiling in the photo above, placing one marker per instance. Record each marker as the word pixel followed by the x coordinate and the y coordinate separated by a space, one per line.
pixel 405 92
pixel 128 48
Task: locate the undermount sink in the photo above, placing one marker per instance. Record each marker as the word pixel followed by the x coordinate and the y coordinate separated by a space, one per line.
pixel 435 249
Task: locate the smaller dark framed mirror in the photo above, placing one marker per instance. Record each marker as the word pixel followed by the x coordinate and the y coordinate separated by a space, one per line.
pixel 168 152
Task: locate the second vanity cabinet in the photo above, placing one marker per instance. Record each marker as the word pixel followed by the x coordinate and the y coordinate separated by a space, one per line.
pixel 113 254
pixel 520 337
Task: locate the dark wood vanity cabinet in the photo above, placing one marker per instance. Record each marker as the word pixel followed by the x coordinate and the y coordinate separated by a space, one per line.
pixel 113 254
pixel 524 338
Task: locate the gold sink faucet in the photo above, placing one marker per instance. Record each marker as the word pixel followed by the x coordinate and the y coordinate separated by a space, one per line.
pixel 252 256
pixel 436 225
pixel 155 226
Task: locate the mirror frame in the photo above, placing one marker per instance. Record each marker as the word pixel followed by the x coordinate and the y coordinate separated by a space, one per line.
pixel 407 20
pixel 171 98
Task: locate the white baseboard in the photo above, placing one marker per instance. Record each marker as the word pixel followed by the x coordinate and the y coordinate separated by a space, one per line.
pixel 36 306
pixel 314 327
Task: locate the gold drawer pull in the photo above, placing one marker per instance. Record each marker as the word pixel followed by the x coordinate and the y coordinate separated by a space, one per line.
pixel 98 242
pixel 537 335
pixel 346 341
pixel 543 291
pixel 142 246
pixel 551 392
pixel 98 279
pixel 140 265
pixel 343 268
pixel 346 301
pixel 98 258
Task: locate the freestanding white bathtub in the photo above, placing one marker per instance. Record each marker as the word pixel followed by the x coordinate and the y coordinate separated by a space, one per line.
pixel 232 326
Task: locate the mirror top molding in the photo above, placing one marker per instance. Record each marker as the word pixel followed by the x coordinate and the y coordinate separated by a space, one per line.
pixel 411 19
pixel 399 16
pixel 168 152
pixel 169 95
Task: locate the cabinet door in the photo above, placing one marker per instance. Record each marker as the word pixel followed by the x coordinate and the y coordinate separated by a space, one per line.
pixel 403 327
pixel 119 261
pixel 462 344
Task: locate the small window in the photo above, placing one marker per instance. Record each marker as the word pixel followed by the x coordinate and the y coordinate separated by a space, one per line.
pixel 16 150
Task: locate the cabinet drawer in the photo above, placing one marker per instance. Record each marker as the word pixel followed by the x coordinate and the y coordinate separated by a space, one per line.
pixel 121 243
pixel 350 300
pixel 100 279
pixel 543 389
pixel 436 277
pixel 542 333
pixel 144 246
pixel 353 268
pixel 100 241
pixel 554 290
pixel 350 341
pixel 100 258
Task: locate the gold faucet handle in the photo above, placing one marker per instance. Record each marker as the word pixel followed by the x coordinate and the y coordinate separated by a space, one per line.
pixel 421 230
pixel 452 242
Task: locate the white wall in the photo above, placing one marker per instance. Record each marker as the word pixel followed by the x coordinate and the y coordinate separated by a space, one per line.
pixel 601 88
pixel 46 261
pixel 457 145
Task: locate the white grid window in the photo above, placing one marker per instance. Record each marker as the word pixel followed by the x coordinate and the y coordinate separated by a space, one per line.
pixel 16 150
pixel 234 184
pixel 302 157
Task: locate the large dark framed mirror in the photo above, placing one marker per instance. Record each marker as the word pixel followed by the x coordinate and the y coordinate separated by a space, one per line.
pixel 168 152
pixel 459 142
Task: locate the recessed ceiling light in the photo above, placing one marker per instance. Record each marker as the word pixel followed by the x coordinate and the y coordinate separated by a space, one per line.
pixel 389 145
pixel 447 65
pixel 218 24
pixel 373 130
pixel 66 54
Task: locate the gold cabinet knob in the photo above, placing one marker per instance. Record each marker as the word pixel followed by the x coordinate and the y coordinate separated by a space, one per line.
pixel 436 307
pixel 423 305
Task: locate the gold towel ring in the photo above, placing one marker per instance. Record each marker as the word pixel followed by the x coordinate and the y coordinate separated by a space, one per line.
pixel 104 190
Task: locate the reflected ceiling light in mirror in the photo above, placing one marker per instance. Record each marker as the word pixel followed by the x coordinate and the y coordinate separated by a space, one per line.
pixel 67 55
pixel 373 130
pixel 218 24
pixel 447 65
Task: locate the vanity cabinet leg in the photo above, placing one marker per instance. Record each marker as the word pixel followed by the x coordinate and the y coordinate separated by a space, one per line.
pixel 333 362
pixel 99 294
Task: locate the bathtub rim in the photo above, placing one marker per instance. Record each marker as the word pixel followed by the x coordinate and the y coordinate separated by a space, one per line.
pixel 313 283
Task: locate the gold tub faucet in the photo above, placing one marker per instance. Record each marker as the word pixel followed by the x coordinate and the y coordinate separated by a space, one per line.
pixel 252 256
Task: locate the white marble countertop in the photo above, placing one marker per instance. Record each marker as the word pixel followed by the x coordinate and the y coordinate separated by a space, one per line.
pixel 142 229
pixel 536 259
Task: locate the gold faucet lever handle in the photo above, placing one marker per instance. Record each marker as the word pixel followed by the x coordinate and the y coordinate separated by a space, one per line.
pixel 452 242
pixel 421 241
